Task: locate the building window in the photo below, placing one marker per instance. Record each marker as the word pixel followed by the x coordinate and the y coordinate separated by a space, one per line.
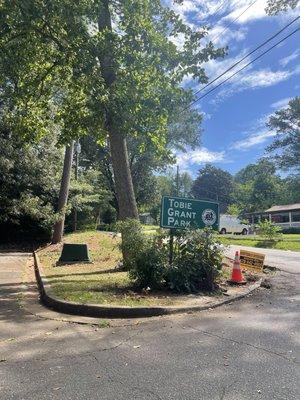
pixel 296 216
pixel 280 218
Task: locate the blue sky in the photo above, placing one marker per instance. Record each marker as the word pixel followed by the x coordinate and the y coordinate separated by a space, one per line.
pixel 234 131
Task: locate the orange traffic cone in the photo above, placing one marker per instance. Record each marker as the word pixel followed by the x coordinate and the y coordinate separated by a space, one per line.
pixel 237 276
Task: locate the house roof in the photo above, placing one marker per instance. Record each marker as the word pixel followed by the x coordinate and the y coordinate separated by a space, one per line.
pixel 287 207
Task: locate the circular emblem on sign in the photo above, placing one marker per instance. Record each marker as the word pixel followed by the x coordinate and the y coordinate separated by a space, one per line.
pixel 209 217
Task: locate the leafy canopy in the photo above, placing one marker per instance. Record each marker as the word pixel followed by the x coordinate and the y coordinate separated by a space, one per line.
pixel 257 186
pixel 214 183
pixel 286 146
pixel 50 69
pixel 276 6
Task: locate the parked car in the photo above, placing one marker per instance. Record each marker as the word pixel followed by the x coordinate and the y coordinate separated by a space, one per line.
pixel 232 224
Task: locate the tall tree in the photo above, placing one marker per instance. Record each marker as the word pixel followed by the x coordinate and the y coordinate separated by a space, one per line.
pixel 215 184
pixel 117 139
pixel 29 181
pixel 105 66
pixel 285 150
pixel 257 186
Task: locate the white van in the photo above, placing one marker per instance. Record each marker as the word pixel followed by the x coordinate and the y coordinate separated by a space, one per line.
pixel 232 224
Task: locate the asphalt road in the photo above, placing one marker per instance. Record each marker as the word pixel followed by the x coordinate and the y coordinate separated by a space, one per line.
pixel 246 350
pixel 285 260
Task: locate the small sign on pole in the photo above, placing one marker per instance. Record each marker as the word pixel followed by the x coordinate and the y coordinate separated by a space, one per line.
pixel 252 261
pixel 183 213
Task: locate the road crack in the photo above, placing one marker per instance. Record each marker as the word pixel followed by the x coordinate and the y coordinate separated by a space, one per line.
pixel 241 342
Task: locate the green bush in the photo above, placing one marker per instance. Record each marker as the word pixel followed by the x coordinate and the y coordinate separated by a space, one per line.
pixel 269 231
pixel 134 242
pixel 149 268
pixel 197 262
pixel 143 258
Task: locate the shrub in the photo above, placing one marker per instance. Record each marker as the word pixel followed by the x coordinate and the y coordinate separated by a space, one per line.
pixel 149 268
pixel 269 231
pixel 134 242
pixel 197 262
pixel 143 257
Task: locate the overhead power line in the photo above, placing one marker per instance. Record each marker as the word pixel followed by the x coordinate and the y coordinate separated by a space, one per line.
pixel 245 66
pixel 217 10
pixel 248 54
pixel 227 26
pixel 232 22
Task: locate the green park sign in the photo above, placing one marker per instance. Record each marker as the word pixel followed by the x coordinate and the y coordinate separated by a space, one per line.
pixel 182 213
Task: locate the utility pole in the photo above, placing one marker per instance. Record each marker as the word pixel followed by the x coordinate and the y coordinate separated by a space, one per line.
pixel 177 181
pixel 172 231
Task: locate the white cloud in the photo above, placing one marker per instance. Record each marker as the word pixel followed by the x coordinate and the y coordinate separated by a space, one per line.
pixel 199 156
pixel 221 35
pixel 281 103
pixel 262 78
pixel 252 140
pixel 254 12
pixel 208 8
pixel 214 68
pixel 202 12
pixel 257 135
pixel 286 60
pixel 254 79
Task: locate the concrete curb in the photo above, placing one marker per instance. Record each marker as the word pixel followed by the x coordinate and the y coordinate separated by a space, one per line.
pixel 103 311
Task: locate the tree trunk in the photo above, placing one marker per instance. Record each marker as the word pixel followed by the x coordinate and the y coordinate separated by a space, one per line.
pixel 63 194
pixel 119 154
pixel 75 213
pixel 123 179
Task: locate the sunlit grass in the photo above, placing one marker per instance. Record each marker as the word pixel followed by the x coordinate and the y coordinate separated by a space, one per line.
pixel 288 242
pixel 89 283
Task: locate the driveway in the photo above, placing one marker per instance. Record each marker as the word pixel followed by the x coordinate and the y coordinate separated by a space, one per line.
pixel 285 260
pixel 244 350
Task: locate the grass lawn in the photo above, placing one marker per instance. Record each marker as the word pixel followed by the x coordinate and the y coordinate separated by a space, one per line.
pixel 91 283
pixel 88 283
pixel 150 229
pixel 289 242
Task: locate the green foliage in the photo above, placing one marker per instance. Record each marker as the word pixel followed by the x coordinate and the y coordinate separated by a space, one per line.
pixel 215 184
pixel 144 259
pixel 29 182
pixel 60 65
pixel 234 209
pixel 258 187
pixel 150 267
pixel 88 197
pixel 134 242
pixel 51 65
pixel 286 123
pixel 197 262
pixel 269 231
pixel 169 184
pixel 291 189
pixel 155 211
pixel 276 6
